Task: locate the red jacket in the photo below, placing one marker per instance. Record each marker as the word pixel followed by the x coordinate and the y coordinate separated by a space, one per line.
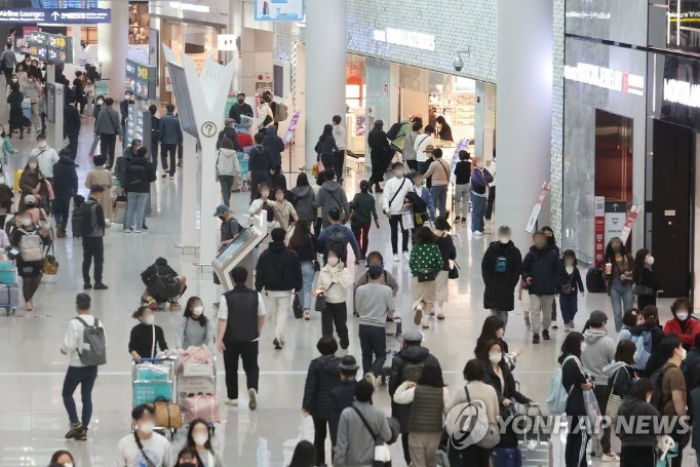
pixel 686 333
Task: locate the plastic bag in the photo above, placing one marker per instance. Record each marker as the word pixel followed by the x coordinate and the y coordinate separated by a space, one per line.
pixel 593 411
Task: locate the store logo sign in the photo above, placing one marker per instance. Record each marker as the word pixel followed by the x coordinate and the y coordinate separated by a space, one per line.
pixel 682 92
pixel 615 80
pixel 416 40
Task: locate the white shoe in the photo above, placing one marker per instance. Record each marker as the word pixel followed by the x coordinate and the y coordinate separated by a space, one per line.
pixel 406 255
pixel 476 234
pixel 396 257
pixel 128 230
pixel 341 353
pixel 138 231
pixel 252 399
pixel 233 402
pixel 612 457
pixel 370 378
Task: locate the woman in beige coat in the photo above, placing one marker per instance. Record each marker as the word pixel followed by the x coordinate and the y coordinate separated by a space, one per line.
pixel 103 177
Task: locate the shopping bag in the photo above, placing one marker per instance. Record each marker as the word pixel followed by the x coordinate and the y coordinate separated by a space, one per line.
pixel 407 218
pixel 593 413
pixel 120 212
pixel 298 310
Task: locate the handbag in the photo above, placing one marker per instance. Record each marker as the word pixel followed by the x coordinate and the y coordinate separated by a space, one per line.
pixel 614 401
pixel 643 290
pixel 382 454
pixel 624 278
pixel 454 271
pixel 50 265
pixel 426 275
pixel 317 265
pixel 296 307
pixel 321 300
pixel 168 414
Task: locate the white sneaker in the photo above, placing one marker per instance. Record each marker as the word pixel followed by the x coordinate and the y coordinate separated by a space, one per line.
pixel 252 399
pixel 370 378
pixel 406 255
pixel 128 230
pixel 138 231
pixel 396 257
pixel 233 402
pixel 612 457
pixel 341 353
pixel 476 234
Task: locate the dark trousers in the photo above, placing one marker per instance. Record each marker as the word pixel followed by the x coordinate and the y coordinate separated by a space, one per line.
pixel 637 456
pixel 226 182
pixel 372 341
pixel 318 227
pixel 601 394
pixel 248 352
pixel 154 153
pixel 320 431
pixel 85 377
pixel 73 144
pixel 61 208
pixel 339 163
pixel 93 247
pixel 473 456
pixel 394 225
pixel 30 284
pixel 576 441
pixel 412 164
pixel 256 178
pixel 16 122
pixel 491 202
pixel 569 306
pixel 644 300
pixel 8 75
pixel 165 150
pixel 336 313
pixel 107 147
pixel 362 237
pixel 404 446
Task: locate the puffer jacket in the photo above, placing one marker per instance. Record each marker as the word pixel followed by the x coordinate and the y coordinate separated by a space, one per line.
pixel 322 378
pixel 65 178
pixel 304 203
pixel 278 269
pixel 227 163
pixel 545 269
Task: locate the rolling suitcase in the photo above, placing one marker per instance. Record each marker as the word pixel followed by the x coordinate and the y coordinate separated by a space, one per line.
pixel 595 282
pixel 506 457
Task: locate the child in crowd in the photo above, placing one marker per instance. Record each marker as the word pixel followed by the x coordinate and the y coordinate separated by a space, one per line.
pixel 572 285
pixel 524 299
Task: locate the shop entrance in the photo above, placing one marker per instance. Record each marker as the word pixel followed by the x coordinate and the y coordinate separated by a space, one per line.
pixel 671 207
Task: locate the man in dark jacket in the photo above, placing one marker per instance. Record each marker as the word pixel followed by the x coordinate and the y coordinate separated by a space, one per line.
pixel 500 269
pixel 155 132
pixel 326 242
pixel 240 108
pixel 170 135
pixel 279 273
pixel 230 133
pixel 71 127
pixel 65 186
pixel 137 182
pixel 259 165
pixel 93 239
pixel 107 127
pixel 332 195
pixel 124 107
pixel 275 145
pixel 343 395
pixel 543 273
pixel 150 296
pixel 413 356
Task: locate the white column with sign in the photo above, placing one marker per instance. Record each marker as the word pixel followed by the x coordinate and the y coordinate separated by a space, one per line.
pixel 113 46
pixel 326 47
pixel 55 100
pixel 523 112
pixel 201 107
pixel 615 217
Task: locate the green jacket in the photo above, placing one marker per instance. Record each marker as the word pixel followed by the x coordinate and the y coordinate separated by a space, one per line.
pixel 364 207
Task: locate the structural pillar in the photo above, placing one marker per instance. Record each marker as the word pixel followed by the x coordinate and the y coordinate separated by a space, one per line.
pixel 326 45
pixel 113 46
pixel 523 113
pixel 484 121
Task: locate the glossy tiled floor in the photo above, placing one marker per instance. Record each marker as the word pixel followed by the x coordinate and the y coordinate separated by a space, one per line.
pixel 33 420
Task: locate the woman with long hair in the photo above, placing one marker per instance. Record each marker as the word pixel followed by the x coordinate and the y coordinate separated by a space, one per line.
pixel 63 457
pixel 326 147
pixel 380 154
pixel 449 254
pixel 304 455
pixel 493 329
pixel 644 278
pixel 364 209
pixel 306 246
pixel 199 440
pixel 195 329
pixel 639 445
pixel 618 271
pixel 304 199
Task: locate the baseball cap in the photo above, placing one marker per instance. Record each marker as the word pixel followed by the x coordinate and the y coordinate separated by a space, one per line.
pixel 598 317
pixel 29 199
pixel 220 209
pixel 413 335
pixel 348 363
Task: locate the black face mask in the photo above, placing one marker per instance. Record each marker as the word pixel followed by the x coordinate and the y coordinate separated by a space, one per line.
pixel 222 218
pixel 241 101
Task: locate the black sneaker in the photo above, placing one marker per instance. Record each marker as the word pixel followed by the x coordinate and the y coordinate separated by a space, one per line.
pixel 457 219
pixel 164 176
pixel 355 314
pixel 277 344
pixel 82 435
pixel 87 286
pixel 535 338
pixel 545 335
pixel 100 286
pixel 75 429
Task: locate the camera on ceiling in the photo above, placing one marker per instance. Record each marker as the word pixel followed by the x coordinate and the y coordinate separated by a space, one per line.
pixel 458 62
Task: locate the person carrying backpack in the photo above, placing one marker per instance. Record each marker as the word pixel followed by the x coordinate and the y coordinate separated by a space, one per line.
pixel 395 191
pixel 29 238
pixel 647 337
pixel 85 344
pixel 332 195
pixel 163 284
pixel 336 238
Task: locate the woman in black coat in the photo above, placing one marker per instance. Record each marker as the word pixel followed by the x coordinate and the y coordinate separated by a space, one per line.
pixel 322 378
pixel 500 279
pixel 380 153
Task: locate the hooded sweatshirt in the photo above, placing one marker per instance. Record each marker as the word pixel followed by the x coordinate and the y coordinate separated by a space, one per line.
pixel 599 352
pixel 274 144
pixel 332 195
pixel 619 382
pixel 304 203
pixel 630 409
pixel 227 163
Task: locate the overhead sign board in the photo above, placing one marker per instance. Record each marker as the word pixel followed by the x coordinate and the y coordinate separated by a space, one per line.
pixel 279 10
pixel 53 48
pixel 141 79
pixel 56 16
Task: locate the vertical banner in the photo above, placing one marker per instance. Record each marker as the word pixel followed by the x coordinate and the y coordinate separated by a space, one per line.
pixel 599 232
pixel 535 214
pixel 290 129
pixel 631 218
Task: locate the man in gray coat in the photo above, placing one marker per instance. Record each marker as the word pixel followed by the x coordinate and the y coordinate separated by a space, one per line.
pixel 332 195
pixel 107 126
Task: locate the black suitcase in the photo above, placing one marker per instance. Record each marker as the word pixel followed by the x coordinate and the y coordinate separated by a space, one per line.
pixel 595 282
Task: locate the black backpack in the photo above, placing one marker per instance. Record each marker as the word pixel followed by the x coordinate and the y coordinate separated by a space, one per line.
pixel 82 218
pixel 394 131
pixel 595 282
pixel 657 378
pixel 136 178
pixel 337 242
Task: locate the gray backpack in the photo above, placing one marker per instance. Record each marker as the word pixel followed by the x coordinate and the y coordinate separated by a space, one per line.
pixel 94 350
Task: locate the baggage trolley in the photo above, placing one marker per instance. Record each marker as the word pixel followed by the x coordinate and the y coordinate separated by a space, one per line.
pixel 243 159
pixel 198 379
pixel 153 378
pixel 393 346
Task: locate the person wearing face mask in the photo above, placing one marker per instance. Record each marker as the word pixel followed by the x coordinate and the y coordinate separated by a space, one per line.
pixel 8 59
pixel 230 227
pixel 189 457
pixel 6 148
pixel 326 147
pixel 194 329
pixel 426 199
pixel 125 107
pixel 543 272
pixel 259 165
pixel 618 272
pixel 599 352
pixel 63 458
pixel 146 337
pixel 15 100
pixel 285 214
pixel 107 128
pixel 240 108
pixel 31 88
pixel 143 447
pixel 275 145
pixel 440 172
pixel 568 293
pixel 646 285
pixel 334 281
pixel 479 181
pixel 620 373
pixel 682 324
pixel 375 258
pixel 199 440
pixel 29 271
pixel 639 445
pixel 630 319
pixel 500 270
pixel 395 191
pixel 99 103
pixel 46 157
pixel 332 195
pixel 79 373
pixel 575 381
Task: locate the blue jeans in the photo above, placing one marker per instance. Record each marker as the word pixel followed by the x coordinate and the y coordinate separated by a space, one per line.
pixel 85 377
pixel 439 194
pixel 478 211
pixel 136 206
pixel 308 274
pixel 569 306
pixel 622 299
pixel 503 315
pixel 95 141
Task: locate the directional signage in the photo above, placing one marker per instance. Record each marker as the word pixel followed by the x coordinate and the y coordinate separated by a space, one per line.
pixel 56 16
pixel 53 48
pixel 141 79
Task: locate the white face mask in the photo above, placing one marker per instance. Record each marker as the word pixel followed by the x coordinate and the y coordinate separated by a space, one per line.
pixel 147 428
pixel 684 353
pixel 398 173
pixel 495 357
pixel 583 347
pixel 504 240
pixel 569 269
pixel 42 144
pixel 648 399
pixel 100 102
pixel 200 439
pixel 682 315
pixel 32 166
pixel 149 320
pixel 649 260
pixel 333 261
pixel 26 221
pixel 198 310
pixel 68 464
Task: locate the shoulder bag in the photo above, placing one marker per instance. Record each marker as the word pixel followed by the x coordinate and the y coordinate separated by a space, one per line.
pixel 317 265
pixel 382 454
pixel 426 275
pixel 321 300
pixel 391 201
pixel 149 462
pixel 614 401
pixel 454 271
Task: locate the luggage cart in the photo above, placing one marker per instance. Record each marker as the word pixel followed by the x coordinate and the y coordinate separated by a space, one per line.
pixel 149 383
pixel 9 289
pixel 393 346
pixel 243 159
pixel 195 379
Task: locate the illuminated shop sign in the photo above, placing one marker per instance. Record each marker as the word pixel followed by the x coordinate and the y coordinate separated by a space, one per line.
pixel 416 40
pixel 614 80
pixel 56 16
pixel 682 92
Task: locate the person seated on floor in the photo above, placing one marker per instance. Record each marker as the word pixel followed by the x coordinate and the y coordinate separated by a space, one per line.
pixel 163 284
